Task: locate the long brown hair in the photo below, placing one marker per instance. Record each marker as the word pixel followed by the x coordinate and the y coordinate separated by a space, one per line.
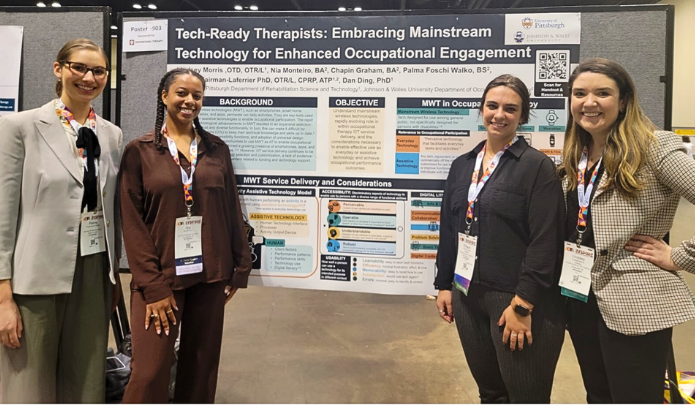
pixel 75 45
pixel 628 142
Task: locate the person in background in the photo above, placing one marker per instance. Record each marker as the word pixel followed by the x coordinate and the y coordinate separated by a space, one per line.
pixel 623 179
pixel 499 254
pixel 59 238
pixel 186 245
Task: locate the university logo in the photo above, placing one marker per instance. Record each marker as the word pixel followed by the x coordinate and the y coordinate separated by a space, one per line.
pixel 519 37
pixel 527 22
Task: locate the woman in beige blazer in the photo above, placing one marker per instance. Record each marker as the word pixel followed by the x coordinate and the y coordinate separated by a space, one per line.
pixel 58 237
pixel 622 180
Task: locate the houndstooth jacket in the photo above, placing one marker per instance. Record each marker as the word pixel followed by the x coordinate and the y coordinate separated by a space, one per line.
pixel 635 296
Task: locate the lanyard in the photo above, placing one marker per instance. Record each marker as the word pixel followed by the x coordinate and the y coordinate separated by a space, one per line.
pixel 476 185
pixel 185 178
pixel 64 112
pixel 584 195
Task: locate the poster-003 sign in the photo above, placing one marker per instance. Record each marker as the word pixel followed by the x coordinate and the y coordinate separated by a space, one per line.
pixel 342 129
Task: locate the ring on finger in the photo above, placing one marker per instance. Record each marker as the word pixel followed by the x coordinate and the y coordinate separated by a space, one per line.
pixel 170 311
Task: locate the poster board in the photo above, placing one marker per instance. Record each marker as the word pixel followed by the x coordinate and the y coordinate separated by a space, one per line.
pixel 342 128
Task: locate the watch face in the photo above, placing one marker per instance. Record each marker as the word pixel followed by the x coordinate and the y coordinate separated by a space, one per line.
pixel 521 310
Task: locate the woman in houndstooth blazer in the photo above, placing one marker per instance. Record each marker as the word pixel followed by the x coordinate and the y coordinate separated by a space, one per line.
pixel 622 334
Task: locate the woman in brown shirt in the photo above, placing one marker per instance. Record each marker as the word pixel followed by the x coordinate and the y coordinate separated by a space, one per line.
pixel 186 245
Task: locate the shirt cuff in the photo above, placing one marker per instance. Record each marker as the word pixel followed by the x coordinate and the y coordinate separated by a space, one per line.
pixel 681 259
pixel 156 293
pixel 240 279
pixel 443 286
pixel 529 292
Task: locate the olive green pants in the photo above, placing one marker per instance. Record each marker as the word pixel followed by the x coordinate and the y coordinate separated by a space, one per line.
pixel 62 358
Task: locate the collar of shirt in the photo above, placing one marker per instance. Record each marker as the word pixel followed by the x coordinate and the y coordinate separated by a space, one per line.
pixel 63 115
pixel 149 138
pixel 516 149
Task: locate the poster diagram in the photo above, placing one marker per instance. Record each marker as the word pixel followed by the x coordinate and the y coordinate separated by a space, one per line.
pixel 366 228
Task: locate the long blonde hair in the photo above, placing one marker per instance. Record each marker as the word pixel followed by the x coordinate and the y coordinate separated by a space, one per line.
pixel 628 142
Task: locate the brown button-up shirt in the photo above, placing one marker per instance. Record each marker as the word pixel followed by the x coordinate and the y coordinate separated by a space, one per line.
pixel 152 197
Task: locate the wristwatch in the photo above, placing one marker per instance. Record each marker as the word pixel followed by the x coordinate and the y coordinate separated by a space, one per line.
pixel 521 310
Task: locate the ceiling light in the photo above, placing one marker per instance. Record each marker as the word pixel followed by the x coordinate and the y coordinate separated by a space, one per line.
pixel 137 6
pixel 357 8
pixel 113 27
pixel 254 8
pixel 151 6
pixel 55 4
pixel 41 4
pixel 341 8
pixel 114 36
pixel 238 8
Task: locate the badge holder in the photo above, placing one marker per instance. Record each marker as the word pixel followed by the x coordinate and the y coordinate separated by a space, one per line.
pixel 92 233
pixel 188 243
pixel 577 261
pixel 580 235
pixel 465 259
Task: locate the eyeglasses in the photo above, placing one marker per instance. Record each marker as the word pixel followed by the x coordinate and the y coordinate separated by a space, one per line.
pixel 99 72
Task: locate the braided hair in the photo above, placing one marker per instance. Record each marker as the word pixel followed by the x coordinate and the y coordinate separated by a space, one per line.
pixel 164 85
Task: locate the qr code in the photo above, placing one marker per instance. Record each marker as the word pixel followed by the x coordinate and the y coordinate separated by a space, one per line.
pixel 552 66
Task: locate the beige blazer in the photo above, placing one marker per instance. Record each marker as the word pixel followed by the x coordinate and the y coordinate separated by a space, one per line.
pixel 634 296
pixel 42 194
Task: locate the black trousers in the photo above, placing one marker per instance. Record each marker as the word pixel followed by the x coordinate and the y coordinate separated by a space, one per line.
pixel 617 368
pixel 504 376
